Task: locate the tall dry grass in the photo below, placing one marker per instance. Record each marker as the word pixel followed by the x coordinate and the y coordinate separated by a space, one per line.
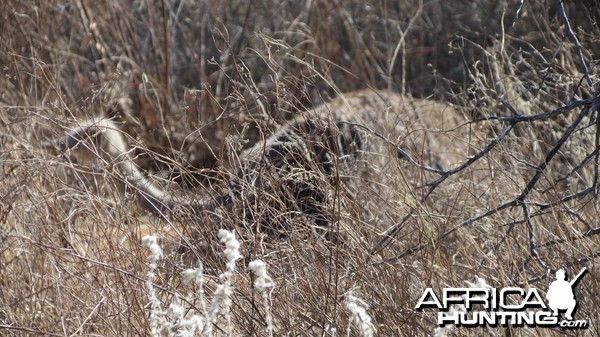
pixel 196 82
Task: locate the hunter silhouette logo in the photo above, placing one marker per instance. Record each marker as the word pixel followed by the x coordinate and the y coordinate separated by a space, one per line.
pixel 483 305
pixel 560 294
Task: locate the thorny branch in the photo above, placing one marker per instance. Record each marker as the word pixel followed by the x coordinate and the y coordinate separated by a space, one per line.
pixel 584 69
pixel 541 210
pixel 542 166
pixel 575 40
pixel 520 200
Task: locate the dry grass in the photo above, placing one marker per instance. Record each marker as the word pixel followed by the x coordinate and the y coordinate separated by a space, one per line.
pixel 197 83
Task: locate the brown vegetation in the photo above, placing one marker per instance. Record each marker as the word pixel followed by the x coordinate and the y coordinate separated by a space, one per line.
pixel 510 196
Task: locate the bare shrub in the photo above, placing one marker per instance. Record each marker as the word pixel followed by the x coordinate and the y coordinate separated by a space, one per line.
pixel 500 184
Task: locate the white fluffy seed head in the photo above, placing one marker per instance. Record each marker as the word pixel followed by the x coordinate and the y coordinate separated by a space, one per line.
pixel 175 310
pixel 357 308
pixel 232 246
pixel 479 283
pixel 151 242
pixel 190 326
pixel 263 280
pixel 196 275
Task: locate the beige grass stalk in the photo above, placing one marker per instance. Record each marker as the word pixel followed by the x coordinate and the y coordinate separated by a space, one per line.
pixel 359 315
pixel 156 319
pixel 261 284
pixel 222 301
